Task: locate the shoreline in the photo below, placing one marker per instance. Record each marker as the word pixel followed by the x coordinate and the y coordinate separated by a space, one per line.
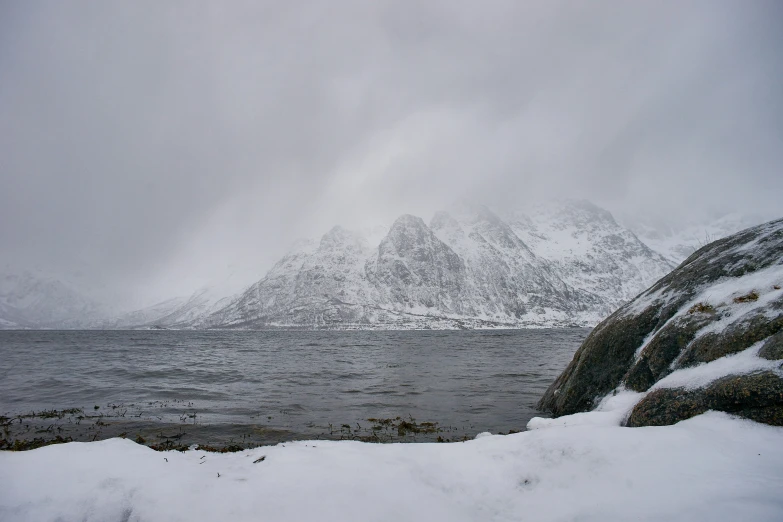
pixel 43 428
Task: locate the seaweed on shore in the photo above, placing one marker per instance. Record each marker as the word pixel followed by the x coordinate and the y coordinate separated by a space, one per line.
pixel 50 414
pixel 38 442
pixel 35 429
pixel 387 429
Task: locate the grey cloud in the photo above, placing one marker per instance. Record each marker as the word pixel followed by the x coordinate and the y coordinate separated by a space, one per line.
pixel 158 142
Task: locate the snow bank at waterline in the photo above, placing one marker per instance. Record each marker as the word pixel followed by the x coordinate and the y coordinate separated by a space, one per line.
pixel 712 467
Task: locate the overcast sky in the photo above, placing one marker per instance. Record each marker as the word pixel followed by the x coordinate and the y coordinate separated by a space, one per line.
pixel 152 144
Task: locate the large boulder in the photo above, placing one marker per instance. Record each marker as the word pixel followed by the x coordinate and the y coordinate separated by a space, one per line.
pixel 724 299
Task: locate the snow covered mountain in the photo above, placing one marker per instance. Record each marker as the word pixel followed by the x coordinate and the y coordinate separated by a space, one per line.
pixel 677 243
pixel 590 250
pixel 35 300
pixel 183 311
pixel 569 264
pixel 173 313
pixel 149 316
pixel 555 264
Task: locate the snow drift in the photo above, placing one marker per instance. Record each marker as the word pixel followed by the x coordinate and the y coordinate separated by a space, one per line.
pixel 711 467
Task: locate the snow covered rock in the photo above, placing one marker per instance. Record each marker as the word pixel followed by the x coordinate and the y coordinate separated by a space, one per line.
pixel 706 336
pixel 757 396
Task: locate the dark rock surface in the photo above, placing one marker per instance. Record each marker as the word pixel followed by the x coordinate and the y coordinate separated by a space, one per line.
pixel 665 347
pixel 757 396
pixel 664 329
pixel 773 347
pixel 733 339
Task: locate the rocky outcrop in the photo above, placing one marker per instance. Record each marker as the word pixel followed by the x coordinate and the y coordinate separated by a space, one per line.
pixel 724 299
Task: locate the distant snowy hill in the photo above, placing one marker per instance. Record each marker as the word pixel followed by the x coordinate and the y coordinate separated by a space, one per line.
pixel 566 264
pixel 148 316
pixel 31 299
pixel 183 311
pixel 677 243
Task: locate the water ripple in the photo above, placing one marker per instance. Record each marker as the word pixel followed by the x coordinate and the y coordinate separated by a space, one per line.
pixel 290 380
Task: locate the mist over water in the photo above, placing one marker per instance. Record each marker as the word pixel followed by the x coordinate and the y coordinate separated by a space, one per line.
pixel 292 384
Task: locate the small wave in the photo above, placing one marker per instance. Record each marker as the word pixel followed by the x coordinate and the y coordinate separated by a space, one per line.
pixel 430 375
pixel 510 376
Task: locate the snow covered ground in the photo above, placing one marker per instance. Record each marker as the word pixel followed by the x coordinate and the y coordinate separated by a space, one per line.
pixel 712 467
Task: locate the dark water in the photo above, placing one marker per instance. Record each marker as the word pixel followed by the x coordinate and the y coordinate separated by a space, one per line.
pixel 279 385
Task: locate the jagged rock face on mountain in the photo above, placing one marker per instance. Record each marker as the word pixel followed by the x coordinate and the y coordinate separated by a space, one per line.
pixel 416 272
pixel 719 316
pixel 467 266
pixel 344 281
pixel 312 285
pixel 506 280
pixel 590 251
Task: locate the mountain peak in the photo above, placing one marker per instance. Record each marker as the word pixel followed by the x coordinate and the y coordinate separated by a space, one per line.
pixel 408 221
pixel 338 237
pixel 443 220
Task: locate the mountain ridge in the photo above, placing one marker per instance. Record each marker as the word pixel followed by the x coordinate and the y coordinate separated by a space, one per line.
pixel 468 264
pixel 567 263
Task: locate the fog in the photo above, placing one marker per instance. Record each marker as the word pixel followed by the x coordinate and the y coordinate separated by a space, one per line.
pixel 147 146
